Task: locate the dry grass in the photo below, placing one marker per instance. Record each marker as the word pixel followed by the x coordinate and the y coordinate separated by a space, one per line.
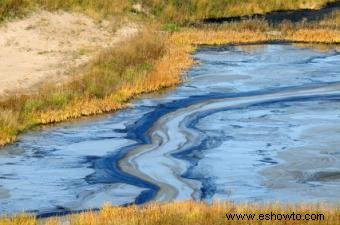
pixel 332 21
pixel 178 11
pixel 225 36
pixel 188 213
pixel 247 31
pixel 184 12
pixel 19 220
pixel 94 8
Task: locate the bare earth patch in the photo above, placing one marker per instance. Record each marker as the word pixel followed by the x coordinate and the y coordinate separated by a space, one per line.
pixel 46 46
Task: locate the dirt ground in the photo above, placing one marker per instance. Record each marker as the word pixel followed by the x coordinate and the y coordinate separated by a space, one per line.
pixel 46 46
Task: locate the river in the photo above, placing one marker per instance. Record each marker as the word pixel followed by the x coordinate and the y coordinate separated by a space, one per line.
pixel 251 123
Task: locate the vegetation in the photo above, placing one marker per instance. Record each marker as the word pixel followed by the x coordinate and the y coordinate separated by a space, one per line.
pixel 189 213
pixel 95 8
pixel 106 84
pixel 331 21
pixel 148 62
pixel 178 11
pixel 184 12
pixel 250 31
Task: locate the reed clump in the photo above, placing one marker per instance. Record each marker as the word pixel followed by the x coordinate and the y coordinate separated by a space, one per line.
pixel 193 213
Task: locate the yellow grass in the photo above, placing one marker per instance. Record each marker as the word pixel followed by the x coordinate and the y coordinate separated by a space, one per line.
pixel 19 220
pixel 332 21
pixel 194 10
pixel 260 31
pixel 211 37
pixel 177 11
pixel 95 8
pixel 163 75
pixel 190 213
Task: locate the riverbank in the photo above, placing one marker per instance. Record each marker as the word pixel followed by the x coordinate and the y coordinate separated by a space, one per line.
pixel 151 61
pixel 83 95
pixel 191 213
pixel 142 64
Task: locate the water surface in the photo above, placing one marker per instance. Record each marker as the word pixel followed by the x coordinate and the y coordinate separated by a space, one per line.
pixel 251 123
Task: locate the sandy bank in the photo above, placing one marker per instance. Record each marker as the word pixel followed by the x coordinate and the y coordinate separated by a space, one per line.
pixel 46 46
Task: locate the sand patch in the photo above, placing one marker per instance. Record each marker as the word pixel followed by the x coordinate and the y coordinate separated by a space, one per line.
pixel 45 46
